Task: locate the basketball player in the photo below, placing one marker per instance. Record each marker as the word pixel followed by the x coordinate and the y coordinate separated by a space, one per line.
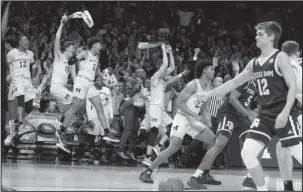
pixel 20 60
pixel 156 111
pixel 277 91
pixel 284 157
pixel 188 120
pixel 234 115
pixel 88 69
pixel 62 68
pixel 104 94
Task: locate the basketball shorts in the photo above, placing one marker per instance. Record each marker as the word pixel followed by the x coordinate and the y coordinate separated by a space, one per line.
pixel 158 116
pixel 11 92
pixel 98 129
pixel 23 86
pixel 230 122
pixel 61 94
pixel 183 125
pixel 81 86
pixel 263 127
pixel 145 124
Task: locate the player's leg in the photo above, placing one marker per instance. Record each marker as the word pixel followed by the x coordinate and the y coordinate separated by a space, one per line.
pixel 80 89
pixel 12 102
pixel 155 121
pixel 257 139
pixel 215 146
pixel 19 84
pixel 285 163
pixel 174 146
pixel 166 121
pixel 63 96
pixel 179 128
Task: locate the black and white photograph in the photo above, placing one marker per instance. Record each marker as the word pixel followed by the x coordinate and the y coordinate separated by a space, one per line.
pixel 151 95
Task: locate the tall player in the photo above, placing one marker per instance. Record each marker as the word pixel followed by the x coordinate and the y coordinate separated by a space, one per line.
pixel 284 157
pixel 88 69
pixel 234 115
pixel 156 108
pixel 188 120
pixel 20 61
pixel 62 68
pixel 277 91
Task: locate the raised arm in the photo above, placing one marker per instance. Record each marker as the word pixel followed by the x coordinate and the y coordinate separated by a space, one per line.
pixel 57 50
pixel 172 65
pixel 161 73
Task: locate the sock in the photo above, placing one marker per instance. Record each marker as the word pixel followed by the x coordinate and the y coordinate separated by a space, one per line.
pixel 198 173
pixel 206 172
pixel 288 186
pixel 106 130
pixel 248 175
pixel 159 144
pixel 262 188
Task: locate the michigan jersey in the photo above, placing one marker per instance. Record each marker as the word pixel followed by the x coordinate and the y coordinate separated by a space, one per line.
pixel 88 66
pixel 20 62
pixel 298 73
pixel 61 70
pixel 157 93
pixel 195 101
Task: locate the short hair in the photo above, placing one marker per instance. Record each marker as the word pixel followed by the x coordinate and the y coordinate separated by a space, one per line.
pixel 201 65
pixel 290 47
pixel 271 27
pixel 11 41
pixel 67 44
pixel 91 41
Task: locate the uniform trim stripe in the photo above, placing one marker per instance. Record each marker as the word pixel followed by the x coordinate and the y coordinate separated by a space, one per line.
pixel 259 132
pixel 216 102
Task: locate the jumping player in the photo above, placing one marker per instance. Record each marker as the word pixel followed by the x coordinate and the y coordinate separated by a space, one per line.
pixel 156 109
pixel 284 157
pixel 88 69
pixel 187 120
pixel 277 89
pixel 61 70
pixel 19 61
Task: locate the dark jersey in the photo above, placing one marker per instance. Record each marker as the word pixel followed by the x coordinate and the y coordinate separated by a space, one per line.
pixel 248 94
pixel 270 85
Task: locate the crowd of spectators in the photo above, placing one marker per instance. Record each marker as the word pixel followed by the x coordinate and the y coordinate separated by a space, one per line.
pixel 224 32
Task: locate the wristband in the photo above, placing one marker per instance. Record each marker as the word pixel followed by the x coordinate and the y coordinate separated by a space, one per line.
pixel 180 75
pixel 195 58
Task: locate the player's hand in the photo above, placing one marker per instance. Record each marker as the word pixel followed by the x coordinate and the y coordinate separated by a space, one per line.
pixel 91 124
pixel 185 73
pixel 168 49
pixel 163 47
pixel 281 120
pixel 236 66
pixel 252 115
pixel 64 18
pixel 197 50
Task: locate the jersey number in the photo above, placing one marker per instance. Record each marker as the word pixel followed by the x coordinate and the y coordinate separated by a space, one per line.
pixel 247 102
pixel 67 68
pixel 94 68
pixel 23 64
pixel 262 84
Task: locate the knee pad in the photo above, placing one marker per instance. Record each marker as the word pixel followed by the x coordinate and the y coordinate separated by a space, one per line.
pixel 153 136
pixel 28 106
pixel 143 135
pixel 20 101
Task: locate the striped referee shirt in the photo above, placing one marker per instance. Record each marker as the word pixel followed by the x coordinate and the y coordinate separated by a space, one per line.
pixel 216 102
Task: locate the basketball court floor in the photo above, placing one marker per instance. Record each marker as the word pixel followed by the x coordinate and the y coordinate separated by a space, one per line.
pixel 52 177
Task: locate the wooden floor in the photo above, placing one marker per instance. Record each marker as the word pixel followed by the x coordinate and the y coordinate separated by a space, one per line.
pixel 46 177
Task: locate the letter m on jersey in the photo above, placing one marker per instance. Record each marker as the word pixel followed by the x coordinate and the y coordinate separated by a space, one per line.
pixel 154 120
pixel 78 90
